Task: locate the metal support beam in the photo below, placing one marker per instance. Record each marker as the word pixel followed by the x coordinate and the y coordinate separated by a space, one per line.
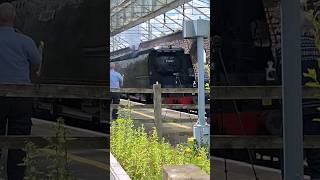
pixel 149 34
pixel 134 22
pixel 154 42
pixel 291 78
pixel 198 10
pixel 201 94
pixel 199 29
pixel 164 24
pixel 176 22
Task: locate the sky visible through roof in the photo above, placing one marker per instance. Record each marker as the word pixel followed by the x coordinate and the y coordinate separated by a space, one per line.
pixel 162 25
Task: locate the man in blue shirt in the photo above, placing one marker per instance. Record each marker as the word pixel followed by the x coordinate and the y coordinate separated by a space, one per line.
pixel 19 57
pixel 116 81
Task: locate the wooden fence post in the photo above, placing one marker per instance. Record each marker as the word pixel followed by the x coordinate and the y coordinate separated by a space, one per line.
pixel 157 108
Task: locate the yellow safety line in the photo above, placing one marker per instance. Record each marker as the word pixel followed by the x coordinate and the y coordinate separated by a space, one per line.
pixel 83 160
pixel 142 114
pixel 180 125
pixel 152 117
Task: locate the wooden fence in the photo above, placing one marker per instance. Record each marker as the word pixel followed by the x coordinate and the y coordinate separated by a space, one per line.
pixel 55 91
pixel 229 93
pixel 157 92
pixel 101 92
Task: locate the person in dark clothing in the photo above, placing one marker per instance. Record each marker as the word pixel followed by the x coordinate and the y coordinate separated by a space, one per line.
pixel 19 57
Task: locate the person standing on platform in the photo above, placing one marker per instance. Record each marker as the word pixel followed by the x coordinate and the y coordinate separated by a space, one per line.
pixel 19 57
pixel 116 82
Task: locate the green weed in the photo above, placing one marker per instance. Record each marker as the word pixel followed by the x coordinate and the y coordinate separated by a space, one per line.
pixel 55 153
pixel 143 157
pixel 2 174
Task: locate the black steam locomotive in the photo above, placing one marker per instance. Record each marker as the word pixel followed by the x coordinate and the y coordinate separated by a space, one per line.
pixel 245 54
pixel 73 36
pixel 170 67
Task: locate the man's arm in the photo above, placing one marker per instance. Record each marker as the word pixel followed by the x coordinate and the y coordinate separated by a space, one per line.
pixel 34 56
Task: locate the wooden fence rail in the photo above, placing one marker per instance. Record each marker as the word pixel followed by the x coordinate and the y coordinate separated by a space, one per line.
pixel 168 106
pixel 16 142
pixel 258 142
pixel 101 92
pixel 217 93
pixel 55 91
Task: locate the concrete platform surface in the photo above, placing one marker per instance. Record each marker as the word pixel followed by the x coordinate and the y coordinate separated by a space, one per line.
pixel 242 171
pixel 178 130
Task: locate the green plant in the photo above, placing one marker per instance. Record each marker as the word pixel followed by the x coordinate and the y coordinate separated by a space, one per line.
pixel 316 24
pixel 143 156
pixel 59 167
pixel 2 174
pixel 312 73
pixel 55 152
pixel 32 165
pixel 125 113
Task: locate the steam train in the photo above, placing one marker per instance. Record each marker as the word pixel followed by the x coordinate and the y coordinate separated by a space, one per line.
pixel 73 34
pixel 246 53
pixel 168 66
pixel 75 52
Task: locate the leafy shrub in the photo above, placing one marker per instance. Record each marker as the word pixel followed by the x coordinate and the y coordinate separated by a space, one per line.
pixel 2 174
pixel 55 153
pixel 143 156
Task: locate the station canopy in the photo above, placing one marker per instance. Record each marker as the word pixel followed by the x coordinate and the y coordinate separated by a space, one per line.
pixel 136 21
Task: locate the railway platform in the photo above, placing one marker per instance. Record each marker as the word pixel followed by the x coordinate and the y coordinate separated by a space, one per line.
pixel 177 126
pixel 84 163
pixel 243 171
